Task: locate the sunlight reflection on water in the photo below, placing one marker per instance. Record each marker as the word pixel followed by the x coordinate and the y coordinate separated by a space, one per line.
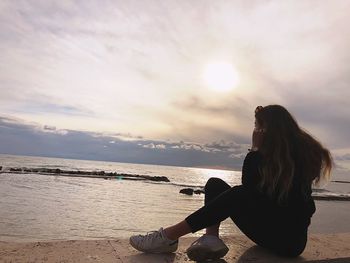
pixel 41 207
pixel 81 208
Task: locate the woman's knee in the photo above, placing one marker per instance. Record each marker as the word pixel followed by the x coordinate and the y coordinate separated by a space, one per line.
pixel 216 184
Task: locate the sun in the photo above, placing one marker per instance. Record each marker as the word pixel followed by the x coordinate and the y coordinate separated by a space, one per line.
pixel 220 76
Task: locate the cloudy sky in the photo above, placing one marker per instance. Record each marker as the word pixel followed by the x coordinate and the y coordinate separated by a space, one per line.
pixel 128 80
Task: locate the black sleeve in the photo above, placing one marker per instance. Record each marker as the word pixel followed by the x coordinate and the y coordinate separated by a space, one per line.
pixel 250 170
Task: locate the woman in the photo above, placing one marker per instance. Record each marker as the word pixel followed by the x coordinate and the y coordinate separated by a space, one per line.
pixel 272 207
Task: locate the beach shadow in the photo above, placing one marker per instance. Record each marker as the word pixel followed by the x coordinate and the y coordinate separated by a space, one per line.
pixel 213 261
pixel 334 260
pixel 167 258
pixel 261 255
pixel 152 258
pixel 256 254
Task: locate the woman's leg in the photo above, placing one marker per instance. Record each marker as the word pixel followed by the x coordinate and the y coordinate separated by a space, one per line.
pixel 178 230
pixel 252 216
pixel 213 188
pixel 260 221
pixel 166 240
pixel 255 217
pixel 216 210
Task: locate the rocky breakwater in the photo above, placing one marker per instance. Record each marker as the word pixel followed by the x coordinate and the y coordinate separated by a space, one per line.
pixel 89 174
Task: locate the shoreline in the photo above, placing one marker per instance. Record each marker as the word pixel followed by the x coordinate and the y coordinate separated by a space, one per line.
pixel 320 248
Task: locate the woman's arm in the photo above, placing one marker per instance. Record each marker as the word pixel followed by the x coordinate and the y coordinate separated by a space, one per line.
pixel 250 170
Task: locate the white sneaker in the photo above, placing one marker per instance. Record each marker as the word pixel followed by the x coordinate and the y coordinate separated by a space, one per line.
pixel 154 242
pixel 207 247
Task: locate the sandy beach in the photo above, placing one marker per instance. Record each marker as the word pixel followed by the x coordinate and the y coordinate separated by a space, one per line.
pixel 333 248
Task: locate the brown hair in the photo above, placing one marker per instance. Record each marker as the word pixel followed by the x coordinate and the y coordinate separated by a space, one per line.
pixel 288 151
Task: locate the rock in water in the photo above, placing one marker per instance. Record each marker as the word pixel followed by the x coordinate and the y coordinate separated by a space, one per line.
pixel 187 191
pixel 198 192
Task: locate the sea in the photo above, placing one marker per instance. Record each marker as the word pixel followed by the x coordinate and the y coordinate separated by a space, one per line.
pixel 41 207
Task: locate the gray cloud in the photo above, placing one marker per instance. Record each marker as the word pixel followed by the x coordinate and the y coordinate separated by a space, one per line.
pixel 343 157
pixel 21 138
pixel 55 108
pixel 49 128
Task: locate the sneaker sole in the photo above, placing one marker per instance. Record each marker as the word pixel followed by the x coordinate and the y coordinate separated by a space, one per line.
pixel 204 253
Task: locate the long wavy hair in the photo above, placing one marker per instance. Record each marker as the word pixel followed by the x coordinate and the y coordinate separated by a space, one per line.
pixel 289 151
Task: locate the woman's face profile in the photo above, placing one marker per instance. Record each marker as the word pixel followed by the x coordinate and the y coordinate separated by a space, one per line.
pixel 257 125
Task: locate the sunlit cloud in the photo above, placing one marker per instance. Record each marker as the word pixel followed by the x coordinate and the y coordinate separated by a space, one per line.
pixel 134 69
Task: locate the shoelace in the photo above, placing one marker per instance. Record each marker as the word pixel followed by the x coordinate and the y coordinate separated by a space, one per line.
pixel 149 237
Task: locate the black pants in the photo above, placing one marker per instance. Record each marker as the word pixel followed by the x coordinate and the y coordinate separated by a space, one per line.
pixel 257 218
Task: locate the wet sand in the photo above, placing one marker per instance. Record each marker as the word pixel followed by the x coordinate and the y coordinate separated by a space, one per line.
pixel 334 248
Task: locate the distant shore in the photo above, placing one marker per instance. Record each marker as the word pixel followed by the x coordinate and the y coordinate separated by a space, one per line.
pixel 332 248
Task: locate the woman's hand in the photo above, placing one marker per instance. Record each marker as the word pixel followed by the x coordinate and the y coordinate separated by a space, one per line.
pixel 257 138
pixel 258 132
